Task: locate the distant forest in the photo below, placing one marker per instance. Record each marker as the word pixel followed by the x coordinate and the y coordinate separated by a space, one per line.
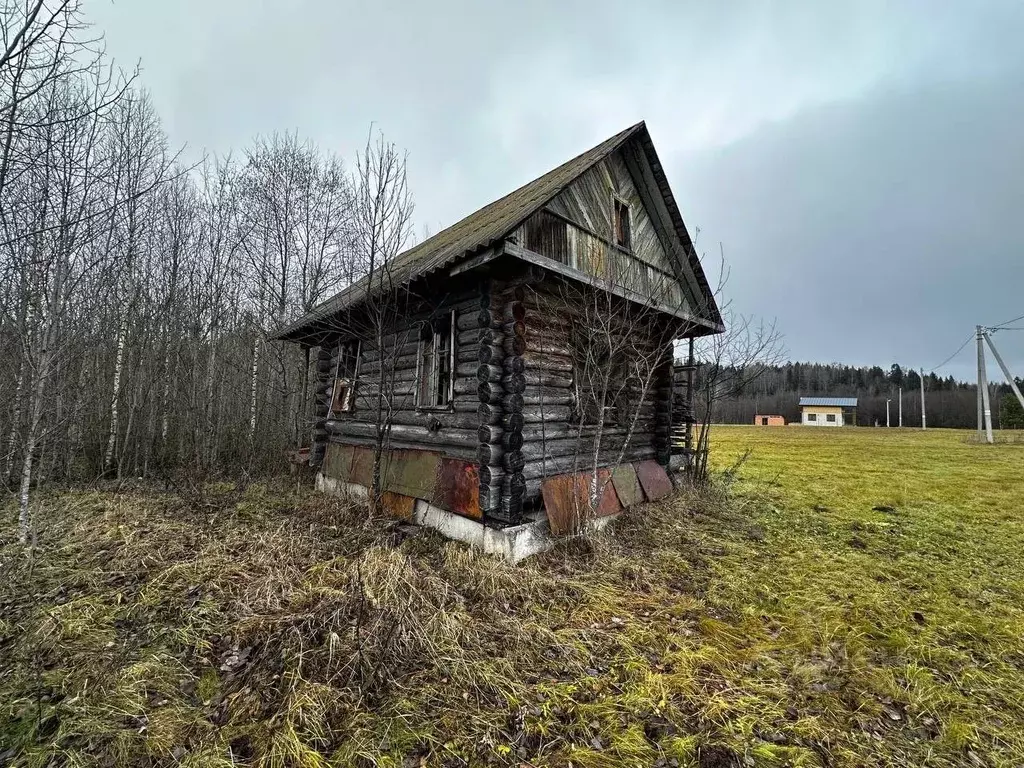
pixel 950 403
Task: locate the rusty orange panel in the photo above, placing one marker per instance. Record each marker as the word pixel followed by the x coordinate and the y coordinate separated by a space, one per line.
pixel 627 485
pixel 458 488
pixel 653 480
pixel 610 503
pixel 397 505
pixel 566 500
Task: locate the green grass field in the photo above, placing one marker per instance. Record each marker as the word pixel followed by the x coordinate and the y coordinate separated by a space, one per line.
pixel 894 560
pixel 841 598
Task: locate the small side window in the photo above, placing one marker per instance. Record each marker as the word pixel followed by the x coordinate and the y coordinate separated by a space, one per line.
pixel 435 379
pixel 812 417
pixel 621 224
pixel 831 417
pixel 342 399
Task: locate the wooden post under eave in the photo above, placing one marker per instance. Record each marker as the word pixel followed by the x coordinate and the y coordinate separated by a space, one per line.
pixel 688 440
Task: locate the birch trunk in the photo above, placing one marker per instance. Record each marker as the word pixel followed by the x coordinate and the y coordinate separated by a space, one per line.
pixel 12 437
pixel 165 396
pixel 108 455
pixel 253 390
pixel 31 443
pixel 210 408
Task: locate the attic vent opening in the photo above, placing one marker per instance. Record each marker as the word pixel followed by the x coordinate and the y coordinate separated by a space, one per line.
pixel 621 224
pixel 548 235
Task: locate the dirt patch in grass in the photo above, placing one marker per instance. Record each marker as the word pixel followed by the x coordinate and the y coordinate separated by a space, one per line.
pixel 276 627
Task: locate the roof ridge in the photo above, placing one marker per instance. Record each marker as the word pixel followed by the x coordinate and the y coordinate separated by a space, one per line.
pixel 614 141
pixel 494 221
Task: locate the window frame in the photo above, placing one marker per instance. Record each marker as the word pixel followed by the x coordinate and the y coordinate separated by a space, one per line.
pixel 584 345
pixel 346 384
pixel 812 417
pixel 449 405
pixel 626 243
pixel 830 418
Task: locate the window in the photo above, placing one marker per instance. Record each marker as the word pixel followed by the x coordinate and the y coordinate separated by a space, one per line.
pixel 434 380
pixel 345 372
pixel 812 417
pixel 600 385
pixel 831 417
pixel 621 224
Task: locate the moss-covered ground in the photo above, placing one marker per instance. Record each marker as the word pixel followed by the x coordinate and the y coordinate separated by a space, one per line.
pixel 840 598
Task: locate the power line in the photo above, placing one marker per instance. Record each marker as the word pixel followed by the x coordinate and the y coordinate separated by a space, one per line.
pixel 997 327
pixel 958 351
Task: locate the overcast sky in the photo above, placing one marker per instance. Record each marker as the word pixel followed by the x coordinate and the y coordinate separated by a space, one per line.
pixel 861 167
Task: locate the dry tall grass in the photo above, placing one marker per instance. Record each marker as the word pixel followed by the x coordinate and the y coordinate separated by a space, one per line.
pixel 276 627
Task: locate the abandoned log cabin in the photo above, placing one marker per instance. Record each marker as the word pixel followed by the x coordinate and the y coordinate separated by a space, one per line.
pixel 530 341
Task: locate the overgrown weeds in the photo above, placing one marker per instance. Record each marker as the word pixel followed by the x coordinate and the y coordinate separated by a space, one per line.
pixel 275 627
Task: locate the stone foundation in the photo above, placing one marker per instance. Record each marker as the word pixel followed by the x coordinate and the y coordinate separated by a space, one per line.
pixel 514 543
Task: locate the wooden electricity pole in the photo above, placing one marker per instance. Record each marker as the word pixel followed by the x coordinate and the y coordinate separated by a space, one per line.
pixel 984 407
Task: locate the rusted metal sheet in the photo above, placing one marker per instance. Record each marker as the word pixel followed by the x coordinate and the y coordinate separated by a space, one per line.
pixel 566 500
pixel 562 504
pixel 413 473
pixel 653 480
pixel 627 485
pixel 397 505
pixel 458 488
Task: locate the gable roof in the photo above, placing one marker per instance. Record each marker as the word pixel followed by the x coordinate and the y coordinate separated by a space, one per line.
pixel 842 402
pixel 492 223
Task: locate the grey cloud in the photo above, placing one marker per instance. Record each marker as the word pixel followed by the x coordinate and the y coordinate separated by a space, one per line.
pixel 871 144
pixel 878 230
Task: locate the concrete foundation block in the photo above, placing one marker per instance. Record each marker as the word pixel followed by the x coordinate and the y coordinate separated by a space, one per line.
pixel 514 544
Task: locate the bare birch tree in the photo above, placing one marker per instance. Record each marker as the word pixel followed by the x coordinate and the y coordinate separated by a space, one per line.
pixel 727 363
pixel 382 226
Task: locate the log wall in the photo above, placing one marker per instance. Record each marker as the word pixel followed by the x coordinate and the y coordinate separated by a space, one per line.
pixel 388 368
pixel 514 401
pixel 553 443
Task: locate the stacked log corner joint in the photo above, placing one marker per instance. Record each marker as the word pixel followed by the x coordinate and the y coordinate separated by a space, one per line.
pixel 663 398
pixel 322 403
pixel 501 383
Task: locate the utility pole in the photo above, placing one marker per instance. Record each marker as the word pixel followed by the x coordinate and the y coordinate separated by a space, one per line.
pixel 984 407
pixel 887 413
pixel 901 406
pixel 924 421
pixel 1006 371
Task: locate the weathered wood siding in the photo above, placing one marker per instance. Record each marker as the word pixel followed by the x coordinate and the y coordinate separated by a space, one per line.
pixel 586 243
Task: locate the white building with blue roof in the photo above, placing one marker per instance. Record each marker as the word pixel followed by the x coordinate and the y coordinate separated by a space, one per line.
pixel 828 411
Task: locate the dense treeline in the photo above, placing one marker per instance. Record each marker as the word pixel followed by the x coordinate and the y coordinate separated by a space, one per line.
pixel 137 292
pixel 777 389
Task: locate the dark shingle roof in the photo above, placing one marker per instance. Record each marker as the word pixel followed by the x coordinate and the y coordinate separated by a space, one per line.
pixel 842 402
pixel 494 222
